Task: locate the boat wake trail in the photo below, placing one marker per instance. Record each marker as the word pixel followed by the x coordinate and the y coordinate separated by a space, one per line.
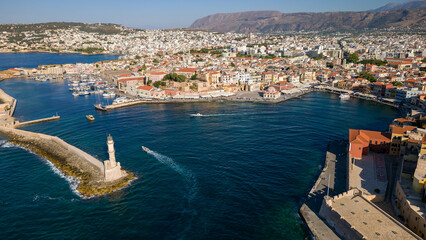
pixel 186 174
pixel 219 115
pixel 192 185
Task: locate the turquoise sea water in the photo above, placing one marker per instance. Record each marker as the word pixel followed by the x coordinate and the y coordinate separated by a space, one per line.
pixel 238 173
pixel 33 60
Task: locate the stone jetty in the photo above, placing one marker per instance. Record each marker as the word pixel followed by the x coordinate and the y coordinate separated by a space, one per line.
pixel 94 176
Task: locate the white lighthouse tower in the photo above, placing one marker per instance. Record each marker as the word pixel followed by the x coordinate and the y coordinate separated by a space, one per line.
pixel 112 169
pixel 111 151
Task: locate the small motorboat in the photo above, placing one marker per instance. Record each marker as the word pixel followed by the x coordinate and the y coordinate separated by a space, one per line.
pixel 90 117
pixel 145 149
pixel 197 115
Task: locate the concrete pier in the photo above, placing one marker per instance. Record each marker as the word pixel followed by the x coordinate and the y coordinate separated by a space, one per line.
pixel 20 124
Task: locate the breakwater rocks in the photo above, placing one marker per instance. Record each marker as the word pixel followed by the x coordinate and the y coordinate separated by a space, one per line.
pixel 71 161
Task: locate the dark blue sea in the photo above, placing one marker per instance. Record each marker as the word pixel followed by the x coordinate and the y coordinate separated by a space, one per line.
pixel 33 60
pixel 240 172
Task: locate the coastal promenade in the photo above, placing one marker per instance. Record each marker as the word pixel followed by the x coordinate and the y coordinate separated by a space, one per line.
pixel 254 98
pixel 368 97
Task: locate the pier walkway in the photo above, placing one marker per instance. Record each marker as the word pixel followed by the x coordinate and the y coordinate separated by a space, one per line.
pixel 53 118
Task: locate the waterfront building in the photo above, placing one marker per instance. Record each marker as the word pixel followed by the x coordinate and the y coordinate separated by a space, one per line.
pixel 144 91
pixel 130 84
pixel 366 168
pixel 379 88
pixel 361 142
pixel 405 95
pixel 271 93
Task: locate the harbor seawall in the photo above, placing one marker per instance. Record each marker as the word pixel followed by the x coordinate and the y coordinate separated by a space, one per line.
pixel 70 160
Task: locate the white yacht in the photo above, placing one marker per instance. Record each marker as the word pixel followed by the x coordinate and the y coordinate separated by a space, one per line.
pixel 345 96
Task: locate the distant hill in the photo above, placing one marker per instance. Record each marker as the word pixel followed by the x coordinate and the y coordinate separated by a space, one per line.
pixel 274 21
pixel 104 28
pixel 396 6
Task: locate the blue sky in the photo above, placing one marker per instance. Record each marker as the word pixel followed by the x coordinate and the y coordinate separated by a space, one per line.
pixel 158 14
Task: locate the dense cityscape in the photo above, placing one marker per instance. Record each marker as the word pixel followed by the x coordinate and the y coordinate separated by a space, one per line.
pixel 371 184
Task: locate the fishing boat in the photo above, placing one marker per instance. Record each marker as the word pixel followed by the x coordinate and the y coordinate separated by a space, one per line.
pixel 197 115
pixel 75 94
pixel 90 117
pixel 100 107
pixel 345 96
pixel 145 149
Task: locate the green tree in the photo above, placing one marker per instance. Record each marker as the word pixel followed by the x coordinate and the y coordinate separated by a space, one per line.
pixel 424 60
pixel 149 82
pixel 396 83
pixel 194 77
pixel 143 68
pixel 330 65
pixel 175 77
pixel 374 61
pixel 138 57
pixel 155 61
pixel 352 58
pixel 368 76
pixel 159 84
pixel 233 65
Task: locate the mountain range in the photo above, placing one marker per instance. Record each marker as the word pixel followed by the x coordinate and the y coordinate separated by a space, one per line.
pixel 396 6
pixel 408 15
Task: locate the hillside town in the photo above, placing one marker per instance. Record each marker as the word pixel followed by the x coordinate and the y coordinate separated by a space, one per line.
pixel 183 64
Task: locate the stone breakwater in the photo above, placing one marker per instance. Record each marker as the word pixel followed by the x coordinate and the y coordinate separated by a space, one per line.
pixel 70 160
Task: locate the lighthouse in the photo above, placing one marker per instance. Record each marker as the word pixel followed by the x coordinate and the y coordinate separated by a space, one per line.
pixel 111 151
pixel 112 168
